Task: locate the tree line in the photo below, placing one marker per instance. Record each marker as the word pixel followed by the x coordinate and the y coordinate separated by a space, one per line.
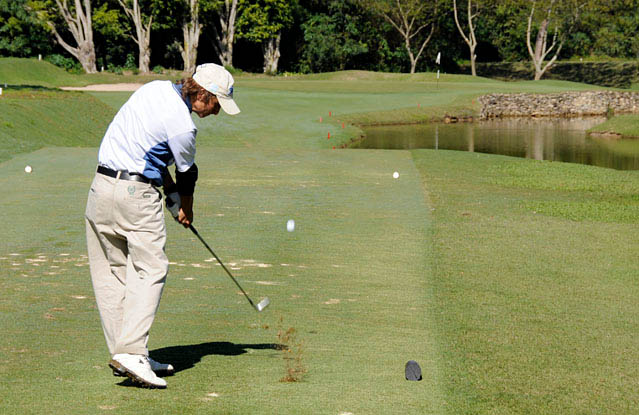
pixel 306 36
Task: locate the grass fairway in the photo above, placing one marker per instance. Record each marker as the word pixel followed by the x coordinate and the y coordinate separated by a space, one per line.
pixel 352 280
pixel 511 281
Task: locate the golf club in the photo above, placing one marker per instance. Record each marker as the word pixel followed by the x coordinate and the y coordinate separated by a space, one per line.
pixel 259 306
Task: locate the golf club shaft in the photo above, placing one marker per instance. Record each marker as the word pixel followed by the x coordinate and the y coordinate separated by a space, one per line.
pixel 222 264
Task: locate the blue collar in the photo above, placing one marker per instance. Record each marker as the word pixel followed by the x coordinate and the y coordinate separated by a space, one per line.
pixel 187 101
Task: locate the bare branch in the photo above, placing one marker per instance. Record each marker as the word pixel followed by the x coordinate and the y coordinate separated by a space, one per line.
pixel 73 51
pixel 528 31
pixel 461 31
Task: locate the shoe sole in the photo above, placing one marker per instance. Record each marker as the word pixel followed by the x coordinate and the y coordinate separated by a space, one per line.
pixel 117 367
pixel 159 373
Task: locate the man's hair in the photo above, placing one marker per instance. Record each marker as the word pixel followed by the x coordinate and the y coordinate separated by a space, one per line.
pixel 192 89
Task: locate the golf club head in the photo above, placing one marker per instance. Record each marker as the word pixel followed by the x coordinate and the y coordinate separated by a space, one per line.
pixel 262 304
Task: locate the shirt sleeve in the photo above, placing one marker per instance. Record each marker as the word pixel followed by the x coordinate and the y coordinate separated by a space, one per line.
pixel 183 148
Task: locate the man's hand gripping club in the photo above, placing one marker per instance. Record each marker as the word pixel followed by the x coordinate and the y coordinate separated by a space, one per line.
pixel 181 207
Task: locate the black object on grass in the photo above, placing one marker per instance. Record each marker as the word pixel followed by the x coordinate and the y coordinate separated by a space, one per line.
pixel 413 371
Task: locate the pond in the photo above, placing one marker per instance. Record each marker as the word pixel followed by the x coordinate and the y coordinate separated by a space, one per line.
pixel 562 139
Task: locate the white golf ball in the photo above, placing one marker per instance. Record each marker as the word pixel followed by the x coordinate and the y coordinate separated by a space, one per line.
pixel 290 225
pixel 28 169
pixel 395 175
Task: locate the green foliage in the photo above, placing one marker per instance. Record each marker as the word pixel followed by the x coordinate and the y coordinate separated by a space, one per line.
pixel 21 34
pixel 264 19
pixel 603 30
pixel 69 64
pixel 607 73
pixel 130 62
pixel 327 35
pixel 118 70
pixel 332 41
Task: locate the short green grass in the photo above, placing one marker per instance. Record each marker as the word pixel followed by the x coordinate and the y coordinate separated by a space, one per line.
pixel 32 72
pixel 509 280
pixel 626 125
pixel 31 119
pixel 537 293
pixel 350 280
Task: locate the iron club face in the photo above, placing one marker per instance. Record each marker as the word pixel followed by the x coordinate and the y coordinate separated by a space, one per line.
pixel 263 304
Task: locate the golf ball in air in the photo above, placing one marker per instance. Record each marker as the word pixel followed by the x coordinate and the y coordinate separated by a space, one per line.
pixel 395 175
pixel 290 225
pixel 28 169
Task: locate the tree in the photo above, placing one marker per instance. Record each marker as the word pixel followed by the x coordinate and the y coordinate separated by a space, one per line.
pixel 142 37
pixel 409 18
pixel 333 40
pixel 191 28
pixel 77 18
pixel 112 42
pixel 21 34
pixel 470 39
pixel 557 18
pixel 262 22
pixel 224 36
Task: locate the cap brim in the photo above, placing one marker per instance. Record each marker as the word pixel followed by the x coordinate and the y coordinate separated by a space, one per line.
pixel 228 105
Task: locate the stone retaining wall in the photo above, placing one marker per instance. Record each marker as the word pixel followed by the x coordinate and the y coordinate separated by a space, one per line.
pixel 566 104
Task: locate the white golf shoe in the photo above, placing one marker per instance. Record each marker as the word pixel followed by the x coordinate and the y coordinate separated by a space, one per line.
pixel 160 369
pixel 138 368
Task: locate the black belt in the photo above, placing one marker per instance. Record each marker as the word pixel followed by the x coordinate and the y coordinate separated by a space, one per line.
pixel 123 175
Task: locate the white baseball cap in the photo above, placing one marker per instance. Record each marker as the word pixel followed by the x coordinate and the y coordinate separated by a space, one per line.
pixel 218 81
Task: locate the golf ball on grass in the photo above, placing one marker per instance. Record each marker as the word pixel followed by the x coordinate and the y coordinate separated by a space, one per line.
pixel 290 225
pixel 395 175
pixel 28 169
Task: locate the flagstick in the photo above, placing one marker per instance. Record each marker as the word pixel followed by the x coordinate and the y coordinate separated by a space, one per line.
pixel 438 62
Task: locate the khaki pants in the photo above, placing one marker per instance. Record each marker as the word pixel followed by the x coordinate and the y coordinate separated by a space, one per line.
pixel 126 237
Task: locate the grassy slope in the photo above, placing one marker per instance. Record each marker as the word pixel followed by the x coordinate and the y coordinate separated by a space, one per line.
pixel 509 320
pixel 32 119
pixel 31 72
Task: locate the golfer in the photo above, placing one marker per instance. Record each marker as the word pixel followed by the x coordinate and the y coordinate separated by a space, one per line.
pixel 125 228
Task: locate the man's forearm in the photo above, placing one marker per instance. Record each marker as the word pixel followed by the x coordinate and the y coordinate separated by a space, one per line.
pixel 168 184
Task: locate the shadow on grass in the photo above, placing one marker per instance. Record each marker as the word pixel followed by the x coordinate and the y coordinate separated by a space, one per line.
pixel 29 88
pixel 185 357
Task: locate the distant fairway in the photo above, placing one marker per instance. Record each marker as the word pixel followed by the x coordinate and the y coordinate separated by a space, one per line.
pixel 512 282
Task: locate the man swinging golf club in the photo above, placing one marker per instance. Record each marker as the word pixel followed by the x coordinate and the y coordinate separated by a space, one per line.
pixel 125 228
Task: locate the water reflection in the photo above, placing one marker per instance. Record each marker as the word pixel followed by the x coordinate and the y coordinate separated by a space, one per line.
pixel 541 139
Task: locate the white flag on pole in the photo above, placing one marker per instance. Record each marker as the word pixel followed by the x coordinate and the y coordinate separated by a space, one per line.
pixel 439 58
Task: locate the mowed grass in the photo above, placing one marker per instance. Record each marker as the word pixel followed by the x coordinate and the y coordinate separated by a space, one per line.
pixel 535 283
pixel 510 281
pixel 31 119
pixel 351 280
pixel 626 125
pixel 31 72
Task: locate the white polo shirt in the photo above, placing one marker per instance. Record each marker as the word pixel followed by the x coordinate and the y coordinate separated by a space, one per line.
pixel 151 131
